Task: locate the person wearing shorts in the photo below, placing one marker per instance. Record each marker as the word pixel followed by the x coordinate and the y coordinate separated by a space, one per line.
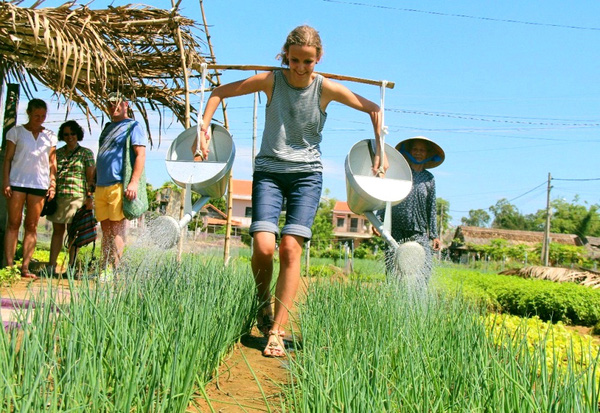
pixel 109 177
pixel 29 175
pixel 74 186
pixel 288 168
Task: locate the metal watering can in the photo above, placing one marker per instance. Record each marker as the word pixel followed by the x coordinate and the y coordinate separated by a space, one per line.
pixel 208 178
pixel 367 193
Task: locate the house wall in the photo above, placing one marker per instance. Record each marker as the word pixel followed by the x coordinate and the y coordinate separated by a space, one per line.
pixel 238 211
pixel 355 228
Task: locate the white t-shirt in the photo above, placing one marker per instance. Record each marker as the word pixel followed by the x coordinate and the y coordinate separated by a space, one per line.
pixel 30 167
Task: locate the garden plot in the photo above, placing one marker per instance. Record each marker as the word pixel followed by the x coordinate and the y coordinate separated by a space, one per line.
pixel 155 341
pixel 144 343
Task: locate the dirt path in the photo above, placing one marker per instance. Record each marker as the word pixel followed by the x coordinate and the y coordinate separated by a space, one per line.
pixel 248 382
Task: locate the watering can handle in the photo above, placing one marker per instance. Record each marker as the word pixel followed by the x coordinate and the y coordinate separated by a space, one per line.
pixel 200 127
pixel 383 131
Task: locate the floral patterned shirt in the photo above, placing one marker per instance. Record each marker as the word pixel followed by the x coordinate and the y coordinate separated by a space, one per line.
pixel 416 214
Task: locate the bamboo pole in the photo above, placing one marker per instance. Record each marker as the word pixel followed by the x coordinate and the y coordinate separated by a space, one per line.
pixel 186 121
pixel 327 75
pixel 227 246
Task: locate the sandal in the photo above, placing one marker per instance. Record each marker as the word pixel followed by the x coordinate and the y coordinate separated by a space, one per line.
pixel 264 320
pixel 275 345
pixel 28 275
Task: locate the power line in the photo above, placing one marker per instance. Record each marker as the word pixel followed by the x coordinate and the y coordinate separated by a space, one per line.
pixel 466 16
pixel 581 180
pixel 531 190
pixel 489 118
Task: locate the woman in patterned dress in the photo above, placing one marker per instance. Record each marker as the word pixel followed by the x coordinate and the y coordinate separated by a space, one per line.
pixel 414 219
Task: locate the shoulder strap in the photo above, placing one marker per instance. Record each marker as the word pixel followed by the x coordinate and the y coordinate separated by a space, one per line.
pixel 68 159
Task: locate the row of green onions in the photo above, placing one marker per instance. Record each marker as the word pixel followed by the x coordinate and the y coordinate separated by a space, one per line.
pixel 387 348
pixel 146 342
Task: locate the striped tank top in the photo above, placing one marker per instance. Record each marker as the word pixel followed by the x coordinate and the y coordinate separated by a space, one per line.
pixel 293 125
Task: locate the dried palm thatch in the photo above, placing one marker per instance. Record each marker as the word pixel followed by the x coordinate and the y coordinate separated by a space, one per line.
pixel 482 236
pixel 583 277
pixel 83 54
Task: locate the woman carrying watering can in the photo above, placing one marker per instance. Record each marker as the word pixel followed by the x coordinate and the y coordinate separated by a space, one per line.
pixel 288 167
pixel 414 218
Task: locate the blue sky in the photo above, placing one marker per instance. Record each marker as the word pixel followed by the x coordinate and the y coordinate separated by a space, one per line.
pixel 509 89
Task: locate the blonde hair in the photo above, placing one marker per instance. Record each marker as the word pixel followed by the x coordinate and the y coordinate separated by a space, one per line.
pixel 301 36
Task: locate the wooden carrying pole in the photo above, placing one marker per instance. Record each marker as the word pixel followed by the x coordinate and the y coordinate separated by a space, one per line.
pixel 327 75
pixel 227 246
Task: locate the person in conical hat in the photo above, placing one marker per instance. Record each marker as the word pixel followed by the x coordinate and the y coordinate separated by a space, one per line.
pixel 414 219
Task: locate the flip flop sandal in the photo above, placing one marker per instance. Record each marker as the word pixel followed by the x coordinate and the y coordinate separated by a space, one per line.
pixel 28 275
pixel 275 346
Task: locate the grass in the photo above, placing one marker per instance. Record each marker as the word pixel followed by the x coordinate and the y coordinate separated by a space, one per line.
pixel 151 340
pixel 144 343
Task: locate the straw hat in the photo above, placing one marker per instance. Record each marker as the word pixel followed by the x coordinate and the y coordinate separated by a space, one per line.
pixel 435 157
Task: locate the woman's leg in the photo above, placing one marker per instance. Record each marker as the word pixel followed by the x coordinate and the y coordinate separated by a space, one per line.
pixel 290 255
pixel 15 213
pixel 35 204
pixel 58 235
pixel 267 201
pixel 262 264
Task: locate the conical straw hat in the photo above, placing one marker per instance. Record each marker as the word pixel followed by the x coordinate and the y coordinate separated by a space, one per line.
pixel 435 157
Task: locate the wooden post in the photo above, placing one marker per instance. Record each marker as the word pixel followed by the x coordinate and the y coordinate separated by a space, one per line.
pixel 226 247
pixel 186 121
pixel 10 119
pixel 307 258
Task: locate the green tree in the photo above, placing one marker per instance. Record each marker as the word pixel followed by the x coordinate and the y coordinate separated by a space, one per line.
pixel 152 202
pixel 322 228
pixel 506 216
pixel 443 217
pixel 570 218
pixel 561 254
pixel 219 203
pixel 477 218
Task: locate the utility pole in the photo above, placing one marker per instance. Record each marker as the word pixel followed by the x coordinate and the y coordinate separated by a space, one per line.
pixel 546 247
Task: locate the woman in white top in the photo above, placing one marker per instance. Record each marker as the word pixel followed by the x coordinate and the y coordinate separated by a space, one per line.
pixel 29 175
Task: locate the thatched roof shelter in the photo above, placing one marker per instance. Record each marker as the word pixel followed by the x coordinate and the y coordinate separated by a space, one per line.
pixel 481 236
pixel 592 245
pixel 83 54
pixel 577 275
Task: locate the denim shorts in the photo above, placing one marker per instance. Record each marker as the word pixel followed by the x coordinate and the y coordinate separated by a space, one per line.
pixel 301 192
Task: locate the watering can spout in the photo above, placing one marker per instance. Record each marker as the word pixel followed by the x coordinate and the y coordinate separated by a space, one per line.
pixel 380 227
